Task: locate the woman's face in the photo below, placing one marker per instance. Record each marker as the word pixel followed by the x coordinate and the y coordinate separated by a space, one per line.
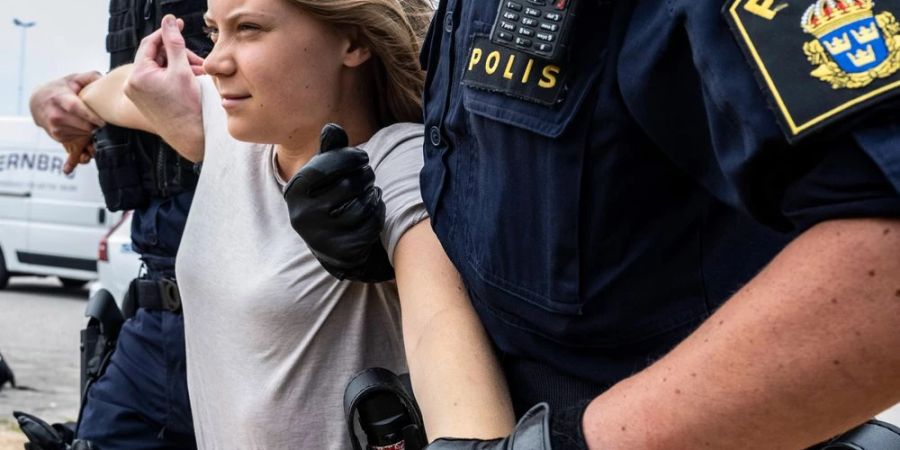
pixel 277 69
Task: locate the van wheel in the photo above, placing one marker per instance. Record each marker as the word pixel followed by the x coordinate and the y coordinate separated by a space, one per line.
pixel 71 282
pixel 4 274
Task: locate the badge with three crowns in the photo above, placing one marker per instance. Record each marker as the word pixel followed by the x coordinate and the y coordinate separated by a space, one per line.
pixel 853 46
pixel 851 62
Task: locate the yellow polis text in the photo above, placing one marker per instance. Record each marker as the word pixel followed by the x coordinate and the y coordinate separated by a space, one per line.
pixel 513 67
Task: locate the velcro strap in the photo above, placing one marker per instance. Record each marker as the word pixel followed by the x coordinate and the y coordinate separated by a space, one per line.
pixel 121 40
pixel 157 294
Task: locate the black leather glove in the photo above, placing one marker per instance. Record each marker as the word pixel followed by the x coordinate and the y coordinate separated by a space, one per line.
pixel 872 435
pixel 43 436
pixel 337 209
pixel 536 430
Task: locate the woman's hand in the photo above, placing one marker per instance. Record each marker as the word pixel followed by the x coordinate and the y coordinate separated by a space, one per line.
pixel 162 86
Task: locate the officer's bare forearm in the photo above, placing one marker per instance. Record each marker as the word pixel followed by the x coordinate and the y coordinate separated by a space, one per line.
pixel 456 379
pixel 805 350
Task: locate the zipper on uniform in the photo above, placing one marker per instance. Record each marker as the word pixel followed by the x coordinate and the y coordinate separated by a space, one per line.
pixel 148 8
pixel 162 177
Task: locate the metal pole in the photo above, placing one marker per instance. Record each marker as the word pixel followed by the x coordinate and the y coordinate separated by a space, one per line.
pixel 24 26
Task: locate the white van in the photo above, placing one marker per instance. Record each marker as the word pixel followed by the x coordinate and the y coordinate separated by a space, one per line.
pixel 50 223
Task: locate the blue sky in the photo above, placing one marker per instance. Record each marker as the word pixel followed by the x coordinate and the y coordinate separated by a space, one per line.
pixel 69 37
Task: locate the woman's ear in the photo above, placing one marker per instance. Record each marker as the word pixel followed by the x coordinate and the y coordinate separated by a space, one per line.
pixel 356 52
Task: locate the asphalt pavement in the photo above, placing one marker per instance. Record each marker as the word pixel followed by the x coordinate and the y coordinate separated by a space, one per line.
pixel 39 337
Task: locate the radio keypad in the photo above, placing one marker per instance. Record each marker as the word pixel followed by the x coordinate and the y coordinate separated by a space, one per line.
pixel 519 22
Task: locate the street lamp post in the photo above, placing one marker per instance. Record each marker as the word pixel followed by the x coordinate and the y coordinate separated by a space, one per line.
pixel 24 26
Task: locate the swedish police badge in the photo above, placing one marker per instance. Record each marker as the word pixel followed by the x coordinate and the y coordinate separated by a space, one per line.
pixel 853 47
pixel 820 60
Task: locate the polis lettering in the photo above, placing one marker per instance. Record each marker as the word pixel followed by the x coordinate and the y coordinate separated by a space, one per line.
pixel 514 68
pixel 509 65
pixel 501 70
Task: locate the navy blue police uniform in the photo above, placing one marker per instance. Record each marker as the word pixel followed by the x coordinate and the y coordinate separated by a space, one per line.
pixel 604 188
pixel 141 400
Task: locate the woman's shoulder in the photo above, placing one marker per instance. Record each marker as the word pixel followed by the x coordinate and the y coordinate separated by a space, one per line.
pixel 395 135
pixel 402 138
pixel 402 128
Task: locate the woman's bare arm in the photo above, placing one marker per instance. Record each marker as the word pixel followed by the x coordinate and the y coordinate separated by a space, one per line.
pixel 106 97
pixel 456 378
pixel 159 93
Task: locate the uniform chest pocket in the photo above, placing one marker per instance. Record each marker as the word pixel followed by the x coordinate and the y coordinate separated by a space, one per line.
pixel 512 88
pixel 524 233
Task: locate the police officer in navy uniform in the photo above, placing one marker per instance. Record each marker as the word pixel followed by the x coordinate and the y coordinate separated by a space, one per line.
pixel 141 399
pixel 679 221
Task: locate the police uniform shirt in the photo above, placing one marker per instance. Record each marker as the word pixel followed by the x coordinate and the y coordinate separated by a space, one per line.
pixel 598 222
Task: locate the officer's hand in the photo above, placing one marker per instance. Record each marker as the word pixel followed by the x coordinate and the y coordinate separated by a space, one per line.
pixel 337 209
pixel 41 435
pixel 531 433
pixel 57 109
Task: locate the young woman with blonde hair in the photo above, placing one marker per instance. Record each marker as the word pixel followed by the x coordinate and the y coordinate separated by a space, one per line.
pixel 271 337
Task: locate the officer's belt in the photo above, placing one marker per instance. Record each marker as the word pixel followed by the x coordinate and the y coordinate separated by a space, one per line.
pixel 157 294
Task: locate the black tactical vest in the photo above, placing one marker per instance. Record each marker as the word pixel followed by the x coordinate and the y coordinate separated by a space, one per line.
pixel 135 166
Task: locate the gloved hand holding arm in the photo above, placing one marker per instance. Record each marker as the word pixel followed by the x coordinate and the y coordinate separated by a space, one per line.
pixel 538 429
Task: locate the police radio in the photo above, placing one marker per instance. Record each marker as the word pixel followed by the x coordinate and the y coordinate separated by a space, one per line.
pixel 538 28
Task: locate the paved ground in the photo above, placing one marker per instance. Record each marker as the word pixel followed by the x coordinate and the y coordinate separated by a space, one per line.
pixel 39 337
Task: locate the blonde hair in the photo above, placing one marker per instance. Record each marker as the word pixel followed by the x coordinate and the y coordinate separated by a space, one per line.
pixel 393 31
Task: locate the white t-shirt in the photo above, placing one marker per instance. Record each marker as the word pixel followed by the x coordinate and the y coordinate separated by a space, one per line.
pixel 271 337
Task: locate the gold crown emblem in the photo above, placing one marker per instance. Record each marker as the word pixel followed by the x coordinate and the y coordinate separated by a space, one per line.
pixel 862 57
pixel 838 44
pixel 866 34
pixel 825 16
